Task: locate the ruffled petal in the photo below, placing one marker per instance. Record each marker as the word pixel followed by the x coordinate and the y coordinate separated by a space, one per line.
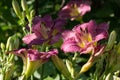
pixel 68 34
pixel 81 7
pixel 70 46
pixel 29 38
pixel 102 34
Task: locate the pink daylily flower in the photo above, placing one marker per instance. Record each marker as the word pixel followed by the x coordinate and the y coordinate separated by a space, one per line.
pixel 44 30
pixel 34 55
pixel 75 9
pixel 84 37
pixel 33 59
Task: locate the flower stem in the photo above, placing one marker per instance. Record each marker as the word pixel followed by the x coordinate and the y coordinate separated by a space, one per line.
pixel 75 56
pixel 42 72
pixel 77 76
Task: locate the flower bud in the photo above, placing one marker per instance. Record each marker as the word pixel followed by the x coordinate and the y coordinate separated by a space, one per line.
pixel 109 77
pixel 24 5
pixel 117 73
pixel 86 67
pixel 118 48
pixel 32 13
pixel 16 8
pixel 2 45
pixel 115 78
pixel 61 66
pixel 9 72
pixel 70 68
pixel 1 77
pixel 111 40
pixel 12 43
pixel 23 15
pixel 8 45
pixel 16 43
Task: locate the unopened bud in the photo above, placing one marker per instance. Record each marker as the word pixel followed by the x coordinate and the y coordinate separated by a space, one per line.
pixel 86 67
pixel 118 48
pixel 2 45
pixel 61 66
pixel 70 68
pixel 16 8
pixel 8 45
pixel 109 77
pixel 24 5
pixel 9 72
pixel 23 14
pixel 12 43
pixel 32 13
pixel 111 40
pixel 16 43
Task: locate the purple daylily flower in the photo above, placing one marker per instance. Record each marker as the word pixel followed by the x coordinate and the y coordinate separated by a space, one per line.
pixel 75 9
pixel 33 59
pixel 84 37
pixel 45 30
pixel 34 55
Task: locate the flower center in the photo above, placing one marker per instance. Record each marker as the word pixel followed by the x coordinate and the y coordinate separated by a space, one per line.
pixel 44 31
pixel 74 10
pixel 84 38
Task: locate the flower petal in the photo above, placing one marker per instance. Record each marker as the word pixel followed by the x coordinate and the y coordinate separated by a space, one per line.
pixel 70 46
pixel 99 50
pixel 84 7
pixel 36 20
pixel 32 39
pixel 102 34
pixel 47 55
pixel 74 9
pixel 28 38
pixel 68 34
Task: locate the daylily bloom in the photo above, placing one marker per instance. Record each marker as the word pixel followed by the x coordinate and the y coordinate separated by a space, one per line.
pixel 33 59
pixel 84 38
pixel 75 9
pixel 45 30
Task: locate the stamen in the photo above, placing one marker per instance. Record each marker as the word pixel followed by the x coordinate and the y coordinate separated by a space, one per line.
pixel 44 31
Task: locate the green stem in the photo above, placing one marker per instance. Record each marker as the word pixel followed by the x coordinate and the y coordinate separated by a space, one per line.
pixel 32 77
pixel 42 72
pixel 77 76
pixel 75 56
pixel 24 30
pixel 30 26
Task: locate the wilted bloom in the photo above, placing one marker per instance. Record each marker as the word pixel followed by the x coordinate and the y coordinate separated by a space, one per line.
pixel 75 9
pixel 33 59
pixel 45 30
pixel 84 37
